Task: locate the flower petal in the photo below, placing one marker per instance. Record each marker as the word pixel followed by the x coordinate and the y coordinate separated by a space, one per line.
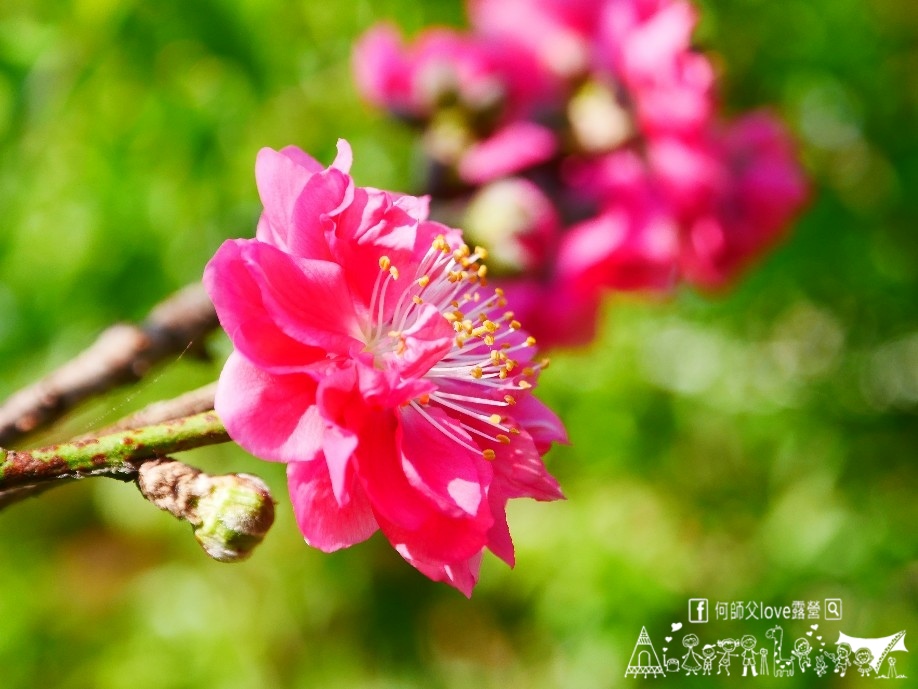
pixel 252 327
pixel 462 575
pixel 307 298
pixel 323 520
pixel 454 477
pixel 418 510
pixel 281 177
pixel 291 432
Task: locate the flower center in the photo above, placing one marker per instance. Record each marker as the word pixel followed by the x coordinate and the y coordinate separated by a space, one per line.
pixel 490 358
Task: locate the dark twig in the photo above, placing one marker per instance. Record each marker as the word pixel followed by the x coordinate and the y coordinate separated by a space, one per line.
pixel 122 354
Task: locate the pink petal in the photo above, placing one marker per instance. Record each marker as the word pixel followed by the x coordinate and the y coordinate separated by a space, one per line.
pixel 453 477
pixel 280 180
pixel 380 68
pixel 462 575
pixel 307 298
pixel 303 159
pixel 427 341
pixel 252 327
pixel 623 248
pixel 326 193
pixel 326 523
pixel 540 422
pixel 405 512
pixel 345 157
pixel 517 146
pixel 291 432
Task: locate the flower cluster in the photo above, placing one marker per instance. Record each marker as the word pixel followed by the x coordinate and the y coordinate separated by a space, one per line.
pixel 578 140
pixel 370 355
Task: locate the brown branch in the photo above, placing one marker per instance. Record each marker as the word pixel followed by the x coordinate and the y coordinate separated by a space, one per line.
pixel 190 403
pixel 122 354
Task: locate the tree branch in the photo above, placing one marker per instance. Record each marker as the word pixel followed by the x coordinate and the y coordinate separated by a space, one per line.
pixel 193 402
pixel 122 354
pixel 108 455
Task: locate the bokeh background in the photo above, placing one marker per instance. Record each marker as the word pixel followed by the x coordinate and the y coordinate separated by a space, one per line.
pixel 759 444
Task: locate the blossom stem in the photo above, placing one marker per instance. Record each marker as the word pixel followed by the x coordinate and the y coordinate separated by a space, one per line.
pixel 114 454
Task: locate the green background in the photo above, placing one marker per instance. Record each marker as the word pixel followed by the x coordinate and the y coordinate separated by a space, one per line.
pixel 758 444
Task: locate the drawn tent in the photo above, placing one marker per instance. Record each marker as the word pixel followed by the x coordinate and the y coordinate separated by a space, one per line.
pixel 880 647
pixel 644 659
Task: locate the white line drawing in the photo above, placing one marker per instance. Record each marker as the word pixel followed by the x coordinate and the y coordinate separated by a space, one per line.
pixel 707 657
pixel 863 658
pixel 750 655
pixel 802 650
pixel 669 664
pixel 690 660
pixel 728 649
pixel 763 665
pixel 644 659
pixel 879 647
pixel 841 658
pixel 891 672
pixel 784 667
pixel 820 665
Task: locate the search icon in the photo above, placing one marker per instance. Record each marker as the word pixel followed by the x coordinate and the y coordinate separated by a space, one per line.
pixel 833 608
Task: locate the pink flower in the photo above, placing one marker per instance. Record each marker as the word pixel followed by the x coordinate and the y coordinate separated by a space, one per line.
pixel 759 189
pixel 371 357
pixel 557 32
pixel 443 67
pixel 646 45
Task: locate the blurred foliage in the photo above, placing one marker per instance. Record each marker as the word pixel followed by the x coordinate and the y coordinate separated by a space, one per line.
pixel 753 445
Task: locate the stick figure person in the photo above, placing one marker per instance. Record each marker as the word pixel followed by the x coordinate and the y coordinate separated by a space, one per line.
pixel 862 659
pixel 728 649
pixel 841 658
pixel 802 652
pixel 749 654
pixel 707 658
pixel 690 660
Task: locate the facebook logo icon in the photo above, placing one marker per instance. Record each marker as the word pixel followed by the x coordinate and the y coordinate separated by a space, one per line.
pixel 698 610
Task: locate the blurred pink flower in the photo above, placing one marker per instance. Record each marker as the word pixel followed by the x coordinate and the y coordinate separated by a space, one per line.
pixel 610 112
pixel 632 242
pixel 442 67
pixel 557 32
pixel 646 46
pixel 371 357
pixel 760 189
pixel 563 314
pixel 517 146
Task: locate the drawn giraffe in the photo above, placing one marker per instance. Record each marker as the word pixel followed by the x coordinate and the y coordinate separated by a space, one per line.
pixel 776 634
